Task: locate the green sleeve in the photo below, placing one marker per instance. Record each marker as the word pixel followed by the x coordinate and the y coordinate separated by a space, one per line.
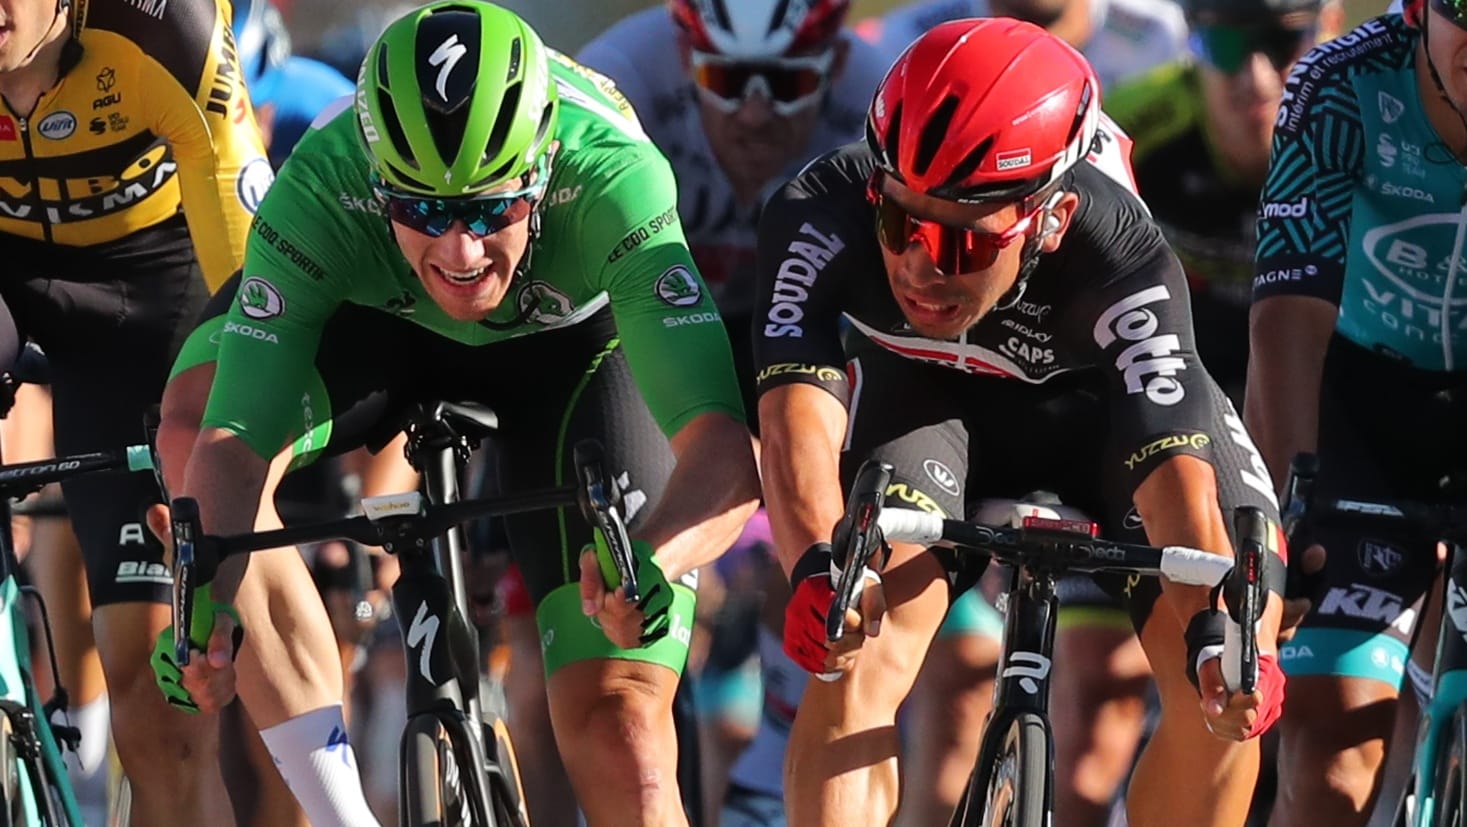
pixel 290 286
pixel 669 327
pixel 1156 107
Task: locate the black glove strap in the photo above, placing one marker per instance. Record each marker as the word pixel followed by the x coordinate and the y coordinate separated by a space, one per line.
pixel 1205 629
pixel 815 560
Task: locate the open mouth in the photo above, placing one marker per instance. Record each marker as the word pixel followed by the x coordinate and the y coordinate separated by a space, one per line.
pixel 462 279
pixel 922 311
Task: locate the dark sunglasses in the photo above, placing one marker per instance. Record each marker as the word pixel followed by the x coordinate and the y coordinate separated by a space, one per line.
pixel 1227 48
pixel 953 250
pixel 482 215
pixel 1455 11
pixel 790 83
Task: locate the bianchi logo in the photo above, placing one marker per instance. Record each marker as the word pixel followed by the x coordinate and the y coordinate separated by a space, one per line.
pixel 943 476
pixel 678 287
pixel 259 299
pixel 545 304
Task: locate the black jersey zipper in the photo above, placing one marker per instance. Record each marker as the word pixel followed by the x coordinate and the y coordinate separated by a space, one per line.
pixel 35 197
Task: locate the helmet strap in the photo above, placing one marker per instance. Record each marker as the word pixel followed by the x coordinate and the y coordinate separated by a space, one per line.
pixel 1027 263
pixel 519 277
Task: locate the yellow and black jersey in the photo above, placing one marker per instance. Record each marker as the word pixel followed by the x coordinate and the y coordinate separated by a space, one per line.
pixel 150 115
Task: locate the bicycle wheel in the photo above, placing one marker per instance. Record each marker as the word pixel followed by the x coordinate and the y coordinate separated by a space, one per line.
pixel 1450 790
pixel 1017 788
pixel 432 793
pixel 505 791
pixel 12 810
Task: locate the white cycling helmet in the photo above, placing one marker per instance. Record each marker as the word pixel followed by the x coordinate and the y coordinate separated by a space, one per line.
pixel 759 29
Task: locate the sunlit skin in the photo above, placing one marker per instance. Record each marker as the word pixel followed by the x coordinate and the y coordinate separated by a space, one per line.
pixel 1446 44
pixel 940 306
pixel 753 144
pixel 32 35
pixel 460 251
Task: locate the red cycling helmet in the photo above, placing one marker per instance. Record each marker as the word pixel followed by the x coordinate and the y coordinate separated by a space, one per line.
pixel 984 109
pixel 759 29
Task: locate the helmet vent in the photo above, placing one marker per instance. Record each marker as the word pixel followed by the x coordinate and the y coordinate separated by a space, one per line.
pixel 503 121
pixel 720 14
pixel 933 135
pixel 777 18
pixel 393 126
pixel 970 163
pixel 889 147
pixel 516 51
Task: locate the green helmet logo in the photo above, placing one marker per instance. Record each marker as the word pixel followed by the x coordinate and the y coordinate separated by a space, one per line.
pixel 456 98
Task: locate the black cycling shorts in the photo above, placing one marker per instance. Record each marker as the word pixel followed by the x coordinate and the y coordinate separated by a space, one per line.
pixel 110 317
pixel 954 439
pixel 1385 431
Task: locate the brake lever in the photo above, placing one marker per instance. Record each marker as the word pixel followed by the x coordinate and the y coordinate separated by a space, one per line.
pixel 863 508
pixel 600 501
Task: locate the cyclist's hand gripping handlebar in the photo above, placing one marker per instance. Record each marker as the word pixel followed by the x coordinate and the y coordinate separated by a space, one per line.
pixel 857 538
pixel 601 503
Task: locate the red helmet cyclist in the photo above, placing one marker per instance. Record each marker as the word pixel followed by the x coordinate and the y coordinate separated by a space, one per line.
pixel 992 109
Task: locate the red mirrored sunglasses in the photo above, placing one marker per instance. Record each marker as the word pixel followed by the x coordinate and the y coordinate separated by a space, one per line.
pixel 953 250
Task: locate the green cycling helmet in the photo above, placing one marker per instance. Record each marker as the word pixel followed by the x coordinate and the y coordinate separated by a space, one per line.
pixel 455 98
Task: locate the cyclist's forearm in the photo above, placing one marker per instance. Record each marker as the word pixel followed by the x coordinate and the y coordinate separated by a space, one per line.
pixel 712 492
pixel 1288 337
pixel 801 430
pixel 1178 506
pixel 226 477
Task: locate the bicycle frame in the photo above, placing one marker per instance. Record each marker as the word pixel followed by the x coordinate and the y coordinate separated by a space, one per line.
pixel 1449 687
pixel 430 599
pixel 1031 610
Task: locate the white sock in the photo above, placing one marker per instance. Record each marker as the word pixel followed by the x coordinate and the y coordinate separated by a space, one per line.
pixel 318 764
pixel 87 767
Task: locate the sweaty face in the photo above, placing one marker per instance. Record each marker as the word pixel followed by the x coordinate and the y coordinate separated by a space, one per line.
pixel 23 24
pixel 943 306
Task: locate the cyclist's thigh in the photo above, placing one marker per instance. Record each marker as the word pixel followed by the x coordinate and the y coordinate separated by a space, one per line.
pixel 576 384
pixel 110 321
pixel 910 415
pixel 1361 623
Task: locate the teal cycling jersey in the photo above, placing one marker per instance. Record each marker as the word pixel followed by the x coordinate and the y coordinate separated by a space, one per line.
pixel 1364 205
pixel 610 237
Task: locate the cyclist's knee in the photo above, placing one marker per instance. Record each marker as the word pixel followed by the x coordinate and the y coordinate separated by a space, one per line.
pixel 623 733
pixel 1333 742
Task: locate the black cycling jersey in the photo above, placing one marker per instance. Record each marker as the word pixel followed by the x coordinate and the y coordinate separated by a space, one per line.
pixel 1112 300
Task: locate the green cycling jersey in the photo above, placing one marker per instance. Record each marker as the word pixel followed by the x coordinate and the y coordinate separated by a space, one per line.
pixel 610 235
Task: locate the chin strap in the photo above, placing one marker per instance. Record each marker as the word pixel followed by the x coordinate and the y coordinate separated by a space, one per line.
pixel 1028 264
pixel 518 278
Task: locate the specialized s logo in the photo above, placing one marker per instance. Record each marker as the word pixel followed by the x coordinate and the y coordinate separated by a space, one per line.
pixel 424 630
pixel 1150 365
pixel 445 57
pixel 797 274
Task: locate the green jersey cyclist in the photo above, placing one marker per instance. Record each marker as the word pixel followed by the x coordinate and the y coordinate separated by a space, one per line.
pixel 486 222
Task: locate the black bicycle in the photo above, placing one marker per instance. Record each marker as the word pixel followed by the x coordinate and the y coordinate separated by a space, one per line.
pixel 1012 783
pixel 1436 794
pixel 457 763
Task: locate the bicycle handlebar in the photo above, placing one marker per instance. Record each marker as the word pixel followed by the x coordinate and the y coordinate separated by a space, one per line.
pixel 1065 545
pixel 389 521
pixel 1442 521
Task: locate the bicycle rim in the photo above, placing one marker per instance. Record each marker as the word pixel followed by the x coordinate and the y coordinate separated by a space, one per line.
pixel 432 793
pixel 1018 781
pixel 505 789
